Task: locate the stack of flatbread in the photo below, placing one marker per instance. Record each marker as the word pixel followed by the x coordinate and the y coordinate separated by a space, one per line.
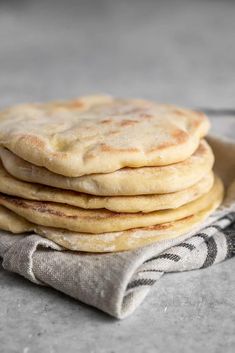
pixel 99 174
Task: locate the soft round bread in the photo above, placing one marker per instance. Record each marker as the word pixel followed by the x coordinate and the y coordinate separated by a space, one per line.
pixel 101 134
pixel 13 223
pixel 126 181
pixel 144 203
pixel 100 221
pixel 109 242
pixel 127 239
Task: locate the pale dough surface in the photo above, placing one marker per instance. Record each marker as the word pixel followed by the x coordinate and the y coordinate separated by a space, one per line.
pixel 110 242
pixel 12 222
pixel 128 239
pixel 101 134
pixel 145 203
pixel 100 221
pixel 126 181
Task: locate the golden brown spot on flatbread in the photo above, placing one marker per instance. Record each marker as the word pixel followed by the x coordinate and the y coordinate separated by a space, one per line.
pixel 32 140
pixel 162 226
pixel 180 136
pixel 41 207
pixel 106 148
pixel 138 111
pixel 129 122
pixel 15 201
pixel 114 132
pixel 167 225
pixel 71 105
pixel 146 116
pixel 179 112
pixel 160 146
pixel 106 121
pixel 89 155
pixel 200 116
pixel 201 149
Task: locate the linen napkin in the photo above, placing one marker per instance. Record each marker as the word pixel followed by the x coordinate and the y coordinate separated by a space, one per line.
pixel 117 283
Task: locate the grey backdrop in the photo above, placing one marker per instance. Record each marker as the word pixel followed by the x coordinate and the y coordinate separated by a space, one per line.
pixel 177 51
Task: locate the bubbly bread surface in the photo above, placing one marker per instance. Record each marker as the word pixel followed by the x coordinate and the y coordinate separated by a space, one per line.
pixel 112 241
pixel 144 203
pixel 101 134
pixel 126 181
pixel 12 222
pixel 99 221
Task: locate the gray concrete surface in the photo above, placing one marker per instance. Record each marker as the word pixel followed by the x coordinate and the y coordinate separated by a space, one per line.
pixel 185 312
pixel 177 51
pixel 190 312
pixel 181 51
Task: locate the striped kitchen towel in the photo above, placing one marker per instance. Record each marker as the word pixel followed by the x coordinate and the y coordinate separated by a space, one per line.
pixel 117 283
pixel 213 244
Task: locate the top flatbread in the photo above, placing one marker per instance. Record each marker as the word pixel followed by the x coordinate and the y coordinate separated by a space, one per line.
pixel 101 134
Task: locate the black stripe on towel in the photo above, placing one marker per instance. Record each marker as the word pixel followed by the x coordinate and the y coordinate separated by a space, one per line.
pixel 230 240
pixel 186 245
pixel 150 270
pixel 141 282
pixel 211 252
pixel 172 257
pixel 231 217
pixel 201 235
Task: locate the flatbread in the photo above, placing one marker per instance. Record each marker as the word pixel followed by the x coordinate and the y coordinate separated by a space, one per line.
pixel 109 242
pixel 101 134
pixel 127 239
pixel 144 203
pixel 100 221
pixel 13 223
pixel 126 181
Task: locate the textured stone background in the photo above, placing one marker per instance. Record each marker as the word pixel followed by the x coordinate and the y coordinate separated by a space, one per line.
pixel 177 51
